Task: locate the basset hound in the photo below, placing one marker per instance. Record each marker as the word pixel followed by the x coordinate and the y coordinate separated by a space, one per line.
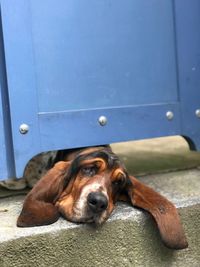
pixel 84 188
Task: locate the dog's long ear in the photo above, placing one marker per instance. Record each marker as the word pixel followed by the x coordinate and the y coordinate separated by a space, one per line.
pixel 39 208
pixel 163 211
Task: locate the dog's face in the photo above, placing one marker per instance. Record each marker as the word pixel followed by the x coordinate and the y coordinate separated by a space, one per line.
pixel 99 178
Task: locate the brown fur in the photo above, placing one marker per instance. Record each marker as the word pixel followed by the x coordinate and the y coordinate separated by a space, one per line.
pixel 60 189
pixel 163 211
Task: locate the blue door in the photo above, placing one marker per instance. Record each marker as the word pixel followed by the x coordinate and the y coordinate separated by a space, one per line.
pixel 70 62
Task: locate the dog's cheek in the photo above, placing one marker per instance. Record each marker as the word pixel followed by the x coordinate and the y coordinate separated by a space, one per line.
pixel 110 208
pixel 65 206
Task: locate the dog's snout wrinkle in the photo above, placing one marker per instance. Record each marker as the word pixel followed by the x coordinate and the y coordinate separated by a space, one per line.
pixel 97 202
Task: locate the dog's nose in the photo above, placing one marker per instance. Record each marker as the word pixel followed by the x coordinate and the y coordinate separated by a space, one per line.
pixel 97 202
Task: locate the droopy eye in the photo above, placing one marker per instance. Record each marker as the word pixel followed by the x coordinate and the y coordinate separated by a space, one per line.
pixel 119 180
pixel 89 170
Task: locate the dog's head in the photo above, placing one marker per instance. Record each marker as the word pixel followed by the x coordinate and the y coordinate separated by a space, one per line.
pixel 96 180
pixel 85 188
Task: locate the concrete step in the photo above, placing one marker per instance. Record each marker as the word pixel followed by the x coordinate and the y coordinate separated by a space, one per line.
pixel 128 238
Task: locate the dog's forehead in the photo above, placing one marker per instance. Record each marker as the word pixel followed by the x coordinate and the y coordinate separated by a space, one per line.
pixel 112 161
pixel 107 156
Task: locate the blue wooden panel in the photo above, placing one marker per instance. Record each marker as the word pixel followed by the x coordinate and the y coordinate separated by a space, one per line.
pixel 21 80
pixel 81 128
pixel 69 62
pixel 3 162
pixel 7 165
pixel 89 53
pixel 3 166
pixel 187 15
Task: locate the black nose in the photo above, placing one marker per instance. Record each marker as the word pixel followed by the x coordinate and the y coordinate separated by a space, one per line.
pixel 97 202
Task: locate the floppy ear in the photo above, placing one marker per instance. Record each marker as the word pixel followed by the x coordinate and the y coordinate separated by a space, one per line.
pixel 39 208
pixel 163 211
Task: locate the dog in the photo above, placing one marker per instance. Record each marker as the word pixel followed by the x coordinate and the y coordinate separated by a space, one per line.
pixel 84 185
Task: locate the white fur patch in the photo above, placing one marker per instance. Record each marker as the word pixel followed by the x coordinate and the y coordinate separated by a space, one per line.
pixel 81 205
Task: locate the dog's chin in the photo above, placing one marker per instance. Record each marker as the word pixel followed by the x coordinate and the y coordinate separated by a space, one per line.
pixel 96 219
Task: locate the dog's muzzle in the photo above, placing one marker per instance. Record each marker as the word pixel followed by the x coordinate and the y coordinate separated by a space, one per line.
pixel 97 202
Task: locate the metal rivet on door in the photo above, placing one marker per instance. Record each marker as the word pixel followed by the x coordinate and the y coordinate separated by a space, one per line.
pixel 24 128
pixel 197 112
pixel 102 120
pixel 170 115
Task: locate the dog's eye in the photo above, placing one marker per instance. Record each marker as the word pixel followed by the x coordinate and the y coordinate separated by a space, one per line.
pixel 117 182
pixel 89 170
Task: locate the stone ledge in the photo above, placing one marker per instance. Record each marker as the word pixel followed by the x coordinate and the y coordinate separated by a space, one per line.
pixel 128 238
